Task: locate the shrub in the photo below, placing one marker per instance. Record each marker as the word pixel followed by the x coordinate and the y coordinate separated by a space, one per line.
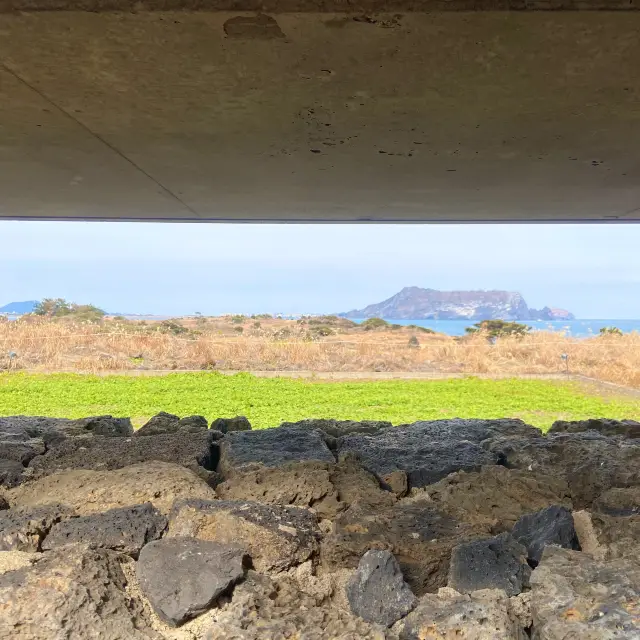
pixel 238 319
pixel 238 329
pixel 499 328
pixel 610 331
pixel 321 330
pixel 374 323
pixel 415 327
pixel 172 327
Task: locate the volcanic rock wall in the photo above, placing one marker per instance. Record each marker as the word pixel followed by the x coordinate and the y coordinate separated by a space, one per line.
pixel 466 529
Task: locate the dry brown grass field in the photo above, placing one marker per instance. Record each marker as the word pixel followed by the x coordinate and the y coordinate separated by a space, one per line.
pixel 316 344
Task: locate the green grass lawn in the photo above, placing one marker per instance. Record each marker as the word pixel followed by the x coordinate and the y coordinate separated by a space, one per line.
pixel 267 402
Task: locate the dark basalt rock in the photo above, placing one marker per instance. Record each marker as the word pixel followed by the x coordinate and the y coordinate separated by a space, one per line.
pixel 169 423
pixel 196 451
pixel 588 461
pixel 377 591
pixel 126 529
pixel 605 426
pixel 550 526
pixel 227 425
pixel 271 448
pixel 493 563
pixel 23 428
pixel 183 577
pixel 24 528
pixel 11 473
pixel 428 451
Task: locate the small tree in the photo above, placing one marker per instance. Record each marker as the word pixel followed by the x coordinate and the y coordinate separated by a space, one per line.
pixel 499 328
pixel 52 307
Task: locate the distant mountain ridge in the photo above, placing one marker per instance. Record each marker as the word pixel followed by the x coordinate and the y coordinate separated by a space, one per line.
pixel 415 303
pixel 19 308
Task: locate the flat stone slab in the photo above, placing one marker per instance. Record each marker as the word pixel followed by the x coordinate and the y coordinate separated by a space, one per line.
pixel 126 529
pixel 275 537
pixel 91 492
pixel 183 577
pixel 196 451
pixel 377 591
pixel 492 563
pixel 271 448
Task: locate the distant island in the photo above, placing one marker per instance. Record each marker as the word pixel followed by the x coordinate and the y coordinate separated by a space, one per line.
pixel 415 303
pixel 19 308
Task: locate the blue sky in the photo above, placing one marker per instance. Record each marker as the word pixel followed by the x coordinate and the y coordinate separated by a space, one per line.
pixel 592 270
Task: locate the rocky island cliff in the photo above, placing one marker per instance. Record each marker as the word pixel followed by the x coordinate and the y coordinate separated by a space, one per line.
pixel 417 303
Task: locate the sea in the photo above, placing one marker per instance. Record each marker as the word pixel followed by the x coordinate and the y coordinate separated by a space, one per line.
pixel 571 328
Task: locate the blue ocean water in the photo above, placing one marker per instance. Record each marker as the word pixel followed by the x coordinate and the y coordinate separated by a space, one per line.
pixel 573 328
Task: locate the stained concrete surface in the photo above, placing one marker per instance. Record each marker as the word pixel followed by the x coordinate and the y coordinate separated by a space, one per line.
pixel 442 116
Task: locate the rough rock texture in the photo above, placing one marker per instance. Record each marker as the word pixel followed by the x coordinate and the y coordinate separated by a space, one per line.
pixel 496 496
pixel 608 427
pixel 327 488
pixel 96 491
pixel 429 451
pixel 493 563
pixel 70 595
pixel 263 609
pixel 126 529
pixel 23 428
pixel 3 503
pixel 608 537
pixel 553 525
pixel 449 615
pixel 271 448
pixel 11 473
pixel 24 528
pixel 619 502
pixel 22 452
pixel 377 591
pixel 590 462
pixel 275 537
pixel 227 425
pixel 12 560
pixel 169 423
pixel 196 451
pixel 419 535
pixel 15 455
pixel 183 577
pixel 575 596
pixel 339 428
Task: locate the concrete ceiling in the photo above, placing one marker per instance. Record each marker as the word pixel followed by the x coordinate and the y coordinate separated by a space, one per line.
pixel 215 116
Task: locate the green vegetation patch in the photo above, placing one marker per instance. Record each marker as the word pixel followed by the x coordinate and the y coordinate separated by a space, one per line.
pixel 269 401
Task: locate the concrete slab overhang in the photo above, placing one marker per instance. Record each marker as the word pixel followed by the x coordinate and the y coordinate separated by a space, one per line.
pixel 402 116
